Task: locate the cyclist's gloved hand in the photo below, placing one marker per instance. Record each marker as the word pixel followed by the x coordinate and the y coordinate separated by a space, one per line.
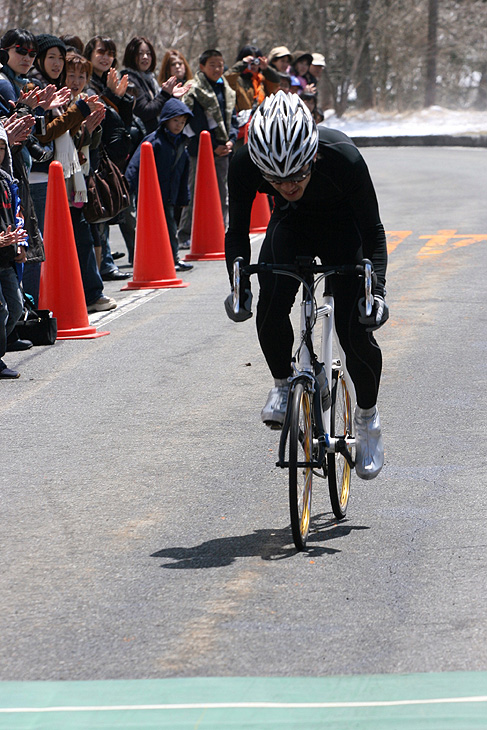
pixel 379 315
pixel 245 306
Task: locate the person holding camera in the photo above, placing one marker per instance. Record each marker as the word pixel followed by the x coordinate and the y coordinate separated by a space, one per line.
pixel 252 79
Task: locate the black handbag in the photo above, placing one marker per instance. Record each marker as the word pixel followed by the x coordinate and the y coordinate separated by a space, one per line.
pixel 36 325
pixel 108 191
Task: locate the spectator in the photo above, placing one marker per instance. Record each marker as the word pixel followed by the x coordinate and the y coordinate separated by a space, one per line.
pixel 252 79
pixel 212 102
pixel 300 68
pixel 78 71
pixel 59 122
pixel 281 59
pixel 285 83
pixel 312 104
pixel 317 65
pixel 20 49
pixel 73 43
pixel 12 249
pixel 174 64
pixel 101 52
pixel 139 62
pixel 172 163
pixel 295 85
pixel 316 69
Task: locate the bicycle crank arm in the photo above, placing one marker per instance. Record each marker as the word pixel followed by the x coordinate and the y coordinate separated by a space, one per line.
pixel 301 464
pixel 342 446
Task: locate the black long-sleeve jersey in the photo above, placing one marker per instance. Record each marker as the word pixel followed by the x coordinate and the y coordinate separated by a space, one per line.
pixel 339 204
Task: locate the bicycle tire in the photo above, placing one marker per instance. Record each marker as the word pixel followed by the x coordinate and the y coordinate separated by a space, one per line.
pixel 300 451
pixel 339 472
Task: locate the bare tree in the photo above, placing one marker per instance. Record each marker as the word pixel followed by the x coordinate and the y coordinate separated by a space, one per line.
pixel 431 53
pixel 394 54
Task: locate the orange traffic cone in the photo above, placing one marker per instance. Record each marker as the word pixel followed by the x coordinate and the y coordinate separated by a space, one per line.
pixel 61 288
pixel 261 213
pixel 153 260
pixel 208 230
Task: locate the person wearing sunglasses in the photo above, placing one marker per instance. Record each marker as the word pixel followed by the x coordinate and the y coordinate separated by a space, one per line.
pixel 325 206
pixel 19 49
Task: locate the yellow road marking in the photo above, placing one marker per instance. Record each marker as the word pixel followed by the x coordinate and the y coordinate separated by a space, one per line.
pixel 394 238
pixel 446 240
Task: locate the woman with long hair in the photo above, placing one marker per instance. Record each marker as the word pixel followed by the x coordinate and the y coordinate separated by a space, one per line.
pixel 174 64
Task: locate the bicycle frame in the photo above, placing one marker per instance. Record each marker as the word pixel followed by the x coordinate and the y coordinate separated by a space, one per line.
pixel 303 359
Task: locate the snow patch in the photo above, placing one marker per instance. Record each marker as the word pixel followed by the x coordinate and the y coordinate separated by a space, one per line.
pixel 434 120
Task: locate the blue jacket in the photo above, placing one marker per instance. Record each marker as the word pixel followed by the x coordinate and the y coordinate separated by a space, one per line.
pixel 172 160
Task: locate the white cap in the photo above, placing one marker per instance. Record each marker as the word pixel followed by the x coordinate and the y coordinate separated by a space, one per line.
pixel 318 59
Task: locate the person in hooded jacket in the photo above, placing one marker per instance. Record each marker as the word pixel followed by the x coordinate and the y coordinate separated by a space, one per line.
pixel 172 164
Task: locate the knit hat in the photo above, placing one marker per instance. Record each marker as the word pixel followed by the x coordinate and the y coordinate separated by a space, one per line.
pixel 46 41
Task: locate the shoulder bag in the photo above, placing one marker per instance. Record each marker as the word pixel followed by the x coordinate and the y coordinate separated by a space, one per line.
pixel 108 191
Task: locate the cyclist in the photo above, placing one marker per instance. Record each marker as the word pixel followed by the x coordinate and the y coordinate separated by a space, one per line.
pixel 325 206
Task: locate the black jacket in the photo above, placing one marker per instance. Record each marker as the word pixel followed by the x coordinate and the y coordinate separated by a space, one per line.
pixel 117 123
pixel 340 192
pixel 148 100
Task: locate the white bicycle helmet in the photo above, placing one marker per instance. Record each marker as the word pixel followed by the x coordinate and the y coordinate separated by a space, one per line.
pixel 282 135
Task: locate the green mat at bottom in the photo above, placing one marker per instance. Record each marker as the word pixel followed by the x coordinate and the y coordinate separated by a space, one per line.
pixel 448 701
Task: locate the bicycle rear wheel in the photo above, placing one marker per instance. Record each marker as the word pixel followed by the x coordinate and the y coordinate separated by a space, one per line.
pixel 339 472
pixel 300 454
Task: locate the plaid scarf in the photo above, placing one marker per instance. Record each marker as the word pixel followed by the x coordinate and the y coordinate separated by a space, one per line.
pixel 202 92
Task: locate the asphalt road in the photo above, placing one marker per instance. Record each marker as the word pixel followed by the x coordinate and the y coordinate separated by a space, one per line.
pixel 145 529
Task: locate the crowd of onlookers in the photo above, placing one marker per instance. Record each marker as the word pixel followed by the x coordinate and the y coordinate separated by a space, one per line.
pixel 74 102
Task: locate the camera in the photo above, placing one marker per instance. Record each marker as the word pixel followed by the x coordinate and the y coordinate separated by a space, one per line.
pixel 40 125
pixel 255 61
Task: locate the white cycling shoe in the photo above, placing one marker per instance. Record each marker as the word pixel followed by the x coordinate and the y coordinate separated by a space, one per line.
pixel 369 446
pixel 274 411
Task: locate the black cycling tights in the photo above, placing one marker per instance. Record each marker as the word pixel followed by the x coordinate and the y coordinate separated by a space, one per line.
pixel 277 295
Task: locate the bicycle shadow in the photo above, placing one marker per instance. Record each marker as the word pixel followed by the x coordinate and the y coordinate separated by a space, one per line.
pixel 268 544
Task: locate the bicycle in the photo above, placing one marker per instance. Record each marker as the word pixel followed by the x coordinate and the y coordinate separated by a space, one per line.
pixel 317 433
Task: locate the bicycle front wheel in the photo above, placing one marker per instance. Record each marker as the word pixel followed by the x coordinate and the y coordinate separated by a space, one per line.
pixel 300 459
pixel 339 472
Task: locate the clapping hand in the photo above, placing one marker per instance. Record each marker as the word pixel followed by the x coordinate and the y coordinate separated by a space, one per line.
pixel 180 90
pixel 96 117
pixel 116 86
pixel 11 237
pixel 61 97
pixel 48 98
pixel 18 128
pixel 175 88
